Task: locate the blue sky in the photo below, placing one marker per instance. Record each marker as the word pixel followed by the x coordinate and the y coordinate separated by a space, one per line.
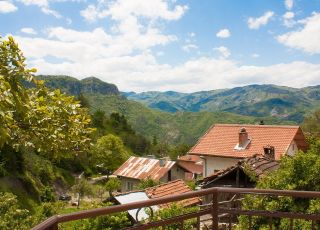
pixel 186 45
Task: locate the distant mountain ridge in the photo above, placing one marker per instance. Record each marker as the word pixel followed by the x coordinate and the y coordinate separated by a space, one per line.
pixel 252 100
pixel 73 86
pixel 179 127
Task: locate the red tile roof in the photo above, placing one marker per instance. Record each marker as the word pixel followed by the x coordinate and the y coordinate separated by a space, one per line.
pixel 172 188
pixel 221 139
pixel 142 168
pixel 191 163
pixel 193 158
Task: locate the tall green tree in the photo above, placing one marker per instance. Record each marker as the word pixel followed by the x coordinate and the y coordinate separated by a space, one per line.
pixel 37 119
pixel 311 124
pixel 82 188
pixel 110 151
pixel 113 184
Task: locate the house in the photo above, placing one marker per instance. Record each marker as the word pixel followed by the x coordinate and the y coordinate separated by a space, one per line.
pixel 136 169
pixel 223 145
pixel 193 166
pixel 171 188
pixel 243 174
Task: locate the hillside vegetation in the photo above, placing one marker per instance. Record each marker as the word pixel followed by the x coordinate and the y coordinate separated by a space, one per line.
pixel 254 100
pixel 180 127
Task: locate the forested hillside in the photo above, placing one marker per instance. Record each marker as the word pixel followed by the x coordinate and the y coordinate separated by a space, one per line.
pixel 74 86
pixel 180 127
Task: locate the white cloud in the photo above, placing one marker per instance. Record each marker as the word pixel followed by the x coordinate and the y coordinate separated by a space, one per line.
pixel 256 23
pixel 43 5
pixel 28 30
pixel 224 33
pixel 288 20
pixel 122 9
pixel 255 55
pixel 223 51
pixel 136 24
pixel 306 38
pixel 192 34
pixel 77 46
pixel 189 47
pixel 288 4
pixel 92 53
pixel 7 7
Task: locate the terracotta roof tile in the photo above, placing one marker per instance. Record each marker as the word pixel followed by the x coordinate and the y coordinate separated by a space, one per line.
pixel 221 139
pixel 142 168
pixel 172 188
pixel 191 167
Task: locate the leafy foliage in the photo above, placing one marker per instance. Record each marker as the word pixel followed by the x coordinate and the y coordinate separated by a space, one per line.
pixel 172 211
pixel 311 124
pixel 147 183
pixel 82 188
pixel 109 151
pixel 113 184
pixel 48 122
pixel 11 215
pixel 300 172
pixel 108 222
pixel 118 125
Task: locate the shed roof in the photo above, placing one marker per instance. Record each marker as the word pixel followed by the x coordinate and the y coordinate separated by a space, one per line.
pixel 142 168
pixel 135 196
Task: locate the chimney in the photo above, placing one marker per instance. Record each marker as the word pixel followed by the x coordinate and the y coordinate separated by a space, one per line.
pixel 162 162
pixel 243 137
pixel 269 152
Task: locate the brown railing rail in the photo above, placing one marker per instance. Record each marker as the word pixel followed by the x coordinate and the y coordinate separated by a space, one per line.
pixel 214 209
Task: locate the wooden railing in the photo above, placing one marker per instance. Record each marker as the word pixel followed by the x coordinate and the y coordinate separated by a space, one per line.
pixel 214 209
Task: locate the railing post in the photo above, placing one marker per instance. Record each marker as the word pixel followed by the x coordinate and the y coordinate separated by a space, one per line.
pixel 53 227
pixel 215 211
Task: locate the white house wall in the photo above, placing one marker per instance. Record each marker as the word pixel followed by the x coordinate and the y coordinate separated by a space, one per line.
pixel 217 163
pixel 293 149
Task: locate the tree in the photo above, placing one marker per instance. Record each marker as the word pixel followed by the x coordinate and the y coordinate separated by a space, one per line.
pixel 37 119
pixel 82 188
pixel 300 172
pixel 179 150
pixel 109 151
pixel 147 183
pixel 311 124
pixel 113 184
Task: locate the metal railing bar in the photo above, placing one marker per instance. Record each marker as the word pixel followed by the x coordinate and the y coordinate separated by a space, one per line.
pixel 172 220
pixel 273 214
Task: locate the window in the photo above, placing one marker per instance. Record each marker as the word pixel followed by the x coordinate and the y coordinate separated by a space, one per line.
pixel 129 186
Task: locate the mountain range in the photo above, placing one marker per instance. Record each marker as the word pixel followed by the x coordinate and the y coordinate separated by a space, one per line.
pixel 253 100
pixel 176 117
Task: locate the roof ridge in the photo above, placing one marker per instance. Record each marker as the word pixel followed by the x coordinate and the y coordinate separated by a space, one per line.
pixel 169 182
pixel 256 125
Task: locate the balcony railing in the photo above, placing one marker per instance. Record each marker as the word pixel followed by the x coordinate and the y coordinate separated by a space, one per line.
pixel 214 209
